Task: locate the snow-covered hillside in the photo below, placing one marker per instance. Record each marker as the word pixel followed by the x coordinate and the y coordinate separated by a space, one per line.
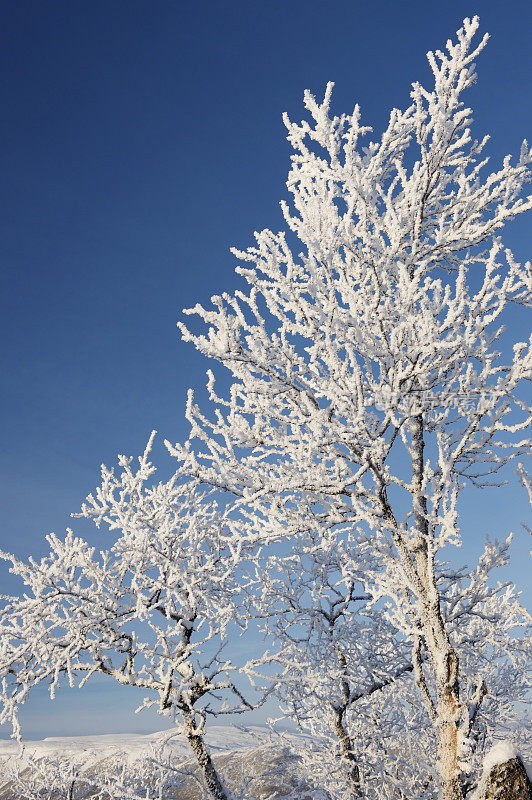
pixel 259 757
pixel 220 738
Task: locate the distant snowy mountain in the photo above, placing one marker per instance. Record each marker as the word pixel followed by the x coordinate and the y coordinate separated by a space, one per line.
pixel 220 738
pixel 240 754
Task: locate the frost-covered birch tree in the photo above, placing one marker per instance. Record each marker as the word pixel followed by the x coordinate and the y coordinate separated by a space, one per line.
pixel 346 673
pixel 369 372
pixel 154 611
pixel 334 654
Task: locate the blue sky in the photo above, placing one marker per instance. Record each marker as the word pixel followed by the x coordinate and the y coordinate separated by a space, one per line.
pixel 140 141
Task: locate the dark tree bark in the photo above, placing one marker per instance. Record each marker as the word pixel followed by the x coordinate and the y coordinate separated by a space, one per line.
pixel 197 745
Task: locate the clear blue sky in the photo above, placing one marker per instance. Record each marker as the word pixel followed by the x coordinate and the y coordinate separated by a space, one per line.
pixel 140 140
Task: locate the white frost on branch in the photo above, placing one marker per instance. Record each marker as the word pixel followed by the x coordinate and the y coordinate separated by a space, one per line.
pixel 370 378
pixel 155 611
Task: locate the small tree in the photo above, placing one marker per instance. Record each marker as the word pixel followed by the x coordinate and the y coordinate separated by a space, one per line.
pixel 28 777
pixel 153 612
pixel 62 777
pixel 334 653
pixel 367 379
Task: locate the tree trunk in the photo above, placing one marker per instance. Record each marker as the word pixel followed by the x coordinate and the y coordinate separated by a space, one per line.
pixel 443 656
pixel 210 776
pixel 346 750
pixel 450 788
pixel 448 720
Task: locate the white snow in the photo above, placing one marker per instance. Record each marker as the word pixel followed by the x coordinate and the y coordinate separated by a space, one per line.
pixel 503 751
pixel 91 749
pixel 500 753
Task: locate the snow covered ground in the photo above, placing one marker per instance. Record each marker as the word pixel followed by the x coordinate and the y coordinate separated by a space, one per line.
pixel 252 751
pixel 220 738
pixel 88 751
